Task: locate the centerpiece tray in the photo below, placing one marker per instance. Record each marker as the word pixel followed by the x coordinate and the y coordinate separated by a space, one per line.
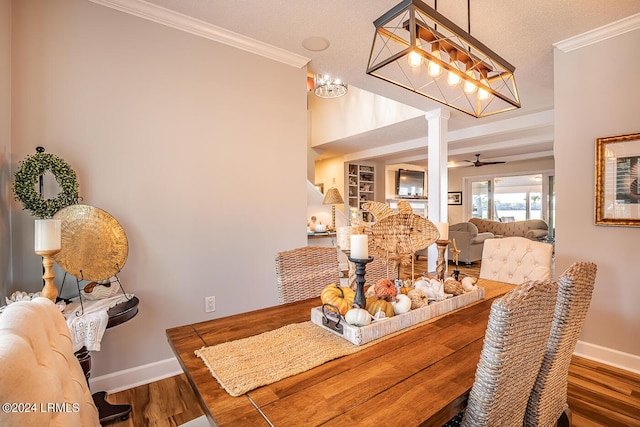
pixel 360 335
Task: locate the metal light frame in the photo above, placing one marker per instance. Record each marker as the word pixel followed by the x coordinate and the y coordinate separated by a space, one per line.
pixel 414 28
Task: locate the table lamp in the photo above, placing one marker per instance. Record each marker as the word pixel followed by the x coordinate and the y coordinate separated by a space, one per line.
pixel 48 242
pixel 333 198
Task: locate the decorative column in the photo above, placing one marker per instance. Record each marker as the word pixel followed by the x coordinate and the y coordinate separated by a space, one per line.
pixel 437 179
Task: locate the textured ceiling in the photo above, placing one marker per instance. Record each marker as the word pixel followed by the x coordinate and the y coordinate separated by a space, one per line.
pixel 522 32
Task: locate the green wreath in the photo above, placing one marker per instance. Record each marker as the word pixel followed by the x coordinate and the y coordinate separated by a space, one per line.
pixel 26 178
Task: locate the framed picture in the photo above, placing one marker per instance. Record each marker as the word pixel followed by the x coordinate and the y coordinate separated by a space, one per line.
pixel 618 180
pixel 455 198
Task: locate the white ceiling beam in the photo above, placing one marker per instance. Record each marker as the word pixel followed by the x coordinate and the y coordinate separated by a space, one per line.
pixel 528 156
pixel 421 143
pixel 515 124
pixel 530 121
pixel 518 142
pixel 387 150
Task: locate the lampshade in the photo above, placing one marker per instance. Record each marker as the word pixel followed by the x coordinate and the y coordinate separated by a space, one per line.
pixel 332 197
pixel 326 87
pixel 419 49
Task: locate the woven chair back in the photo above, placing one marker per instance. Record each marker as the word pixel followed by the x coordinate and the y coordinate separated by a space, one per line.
pixel 511 356
pixel 516 260
pixel 548 399
pixel 302 273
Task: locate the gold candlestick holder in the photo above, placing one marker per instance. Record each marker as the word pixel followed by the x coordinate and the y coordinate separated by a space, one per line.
pixel 49 289
pixel 441 263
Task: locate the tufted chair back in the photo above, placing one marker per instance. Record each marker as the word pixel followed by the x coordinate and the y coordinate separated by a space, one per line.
pixel 40 368
pixel 516 260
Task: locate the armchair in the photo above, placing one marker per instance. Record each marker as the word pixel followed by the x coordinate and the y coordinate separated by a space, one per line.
pixel 469 241
pixel 40 368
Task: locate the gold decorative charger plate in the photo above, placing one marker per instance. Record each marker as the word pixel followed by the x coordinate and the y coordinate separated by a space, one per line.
pixel 94 245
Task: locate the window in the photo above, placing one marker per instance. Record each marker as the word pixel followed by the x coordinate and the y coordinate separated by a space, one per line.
pixel 511 198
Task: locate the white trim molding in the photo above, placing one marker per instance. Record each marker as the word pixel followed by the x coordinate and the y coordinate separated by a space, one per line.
pixel 170 18
pixel 628 362
pixel 137 376
pixel 596 35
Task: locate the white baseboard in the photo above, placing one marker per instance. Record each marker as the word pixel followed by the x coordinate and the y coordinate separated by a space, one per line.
pixel 133 377
pixel 618 359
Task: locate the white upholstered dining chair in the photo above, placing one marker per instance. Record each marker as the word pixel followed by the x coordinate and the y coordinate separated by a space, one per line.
pixel 548 401
pixel 516 260
pixel 40 368
pixel 303 272
pixel 514 343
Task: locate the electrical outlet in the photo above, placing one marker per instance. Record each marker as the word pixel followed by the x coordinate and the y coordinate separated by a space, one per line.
pixel 209 304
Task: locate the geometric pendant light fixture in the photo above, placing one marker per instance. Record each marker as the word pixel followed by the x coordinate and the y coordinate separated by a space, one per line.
pixel 419 49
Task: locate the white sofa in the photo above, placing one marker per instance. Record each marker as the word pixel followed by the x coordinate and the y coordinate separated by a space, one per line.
pixel 40 369
pixel 468 240
pixel 533 229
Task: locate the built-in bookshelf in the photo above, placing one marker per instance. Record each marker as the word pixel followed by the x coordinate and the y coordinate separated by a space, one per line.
pixel 361 187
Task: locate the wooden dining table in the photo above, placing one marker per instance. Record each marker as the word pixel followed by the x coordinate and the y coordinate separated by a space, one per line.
pixel 419 377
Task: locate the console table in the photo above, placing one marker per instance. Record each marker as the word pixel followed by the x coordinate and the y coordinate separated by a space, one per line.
pixel 118 315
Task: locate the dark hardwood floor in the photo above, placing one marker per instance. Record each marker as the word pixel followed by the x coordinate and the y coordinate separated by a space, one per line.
pixel 599 395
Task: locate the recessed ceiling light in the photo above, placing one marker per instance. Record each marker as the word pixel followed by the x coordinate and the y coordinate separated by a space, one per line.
pixel 315 43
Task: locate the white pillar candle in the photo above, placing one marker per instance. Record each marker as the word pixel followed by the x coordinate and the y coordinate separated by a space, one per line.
pixel 359 246
pixel 443 229
pixel 48 236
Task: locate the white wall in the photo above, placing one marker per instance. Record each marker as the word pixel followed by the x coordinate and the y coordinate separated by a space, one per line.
pixel 5 145
pixel 589 104
pixel 181 141
pixel 366 111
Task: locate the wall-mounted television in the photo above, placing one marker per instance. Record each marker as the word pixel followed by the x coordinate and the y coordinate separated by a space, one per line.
pixel 409 184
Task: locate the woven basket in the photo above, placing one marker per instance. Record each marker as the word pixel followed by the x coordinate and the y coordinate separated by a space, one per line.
pixel 399 236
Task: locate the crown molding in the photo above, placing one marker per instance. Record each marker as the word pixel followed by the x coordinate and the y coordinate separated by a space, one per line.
pixel 614 29
pixel 163 16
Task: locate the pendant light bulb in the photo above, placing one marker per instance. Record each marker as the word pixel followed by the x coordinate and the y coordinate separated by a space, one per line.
pixel 483 94
pixel 414 59
pixel 469 85
pixel 453 79
pixel 435 69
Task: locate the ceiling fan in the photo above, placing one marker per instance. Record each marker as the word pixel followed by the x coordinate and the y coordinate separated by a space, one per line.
pixel 478 163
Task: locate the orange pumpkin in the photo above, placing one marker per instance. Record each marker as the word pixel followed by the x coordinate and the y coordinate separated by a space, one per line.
pixel 340 296
pixel 385 289
pixel 374 304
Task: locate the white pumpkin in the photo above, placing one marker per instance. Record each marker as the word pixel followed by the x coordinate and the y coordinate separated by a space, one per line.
pixel 421 284
pixel 358 317
pixel 401 304
pixel 468 284
pixel 435 290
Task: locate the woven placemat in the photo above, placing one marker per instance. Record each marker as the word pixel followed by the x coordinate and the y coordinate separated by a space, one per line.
pixel 248 363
